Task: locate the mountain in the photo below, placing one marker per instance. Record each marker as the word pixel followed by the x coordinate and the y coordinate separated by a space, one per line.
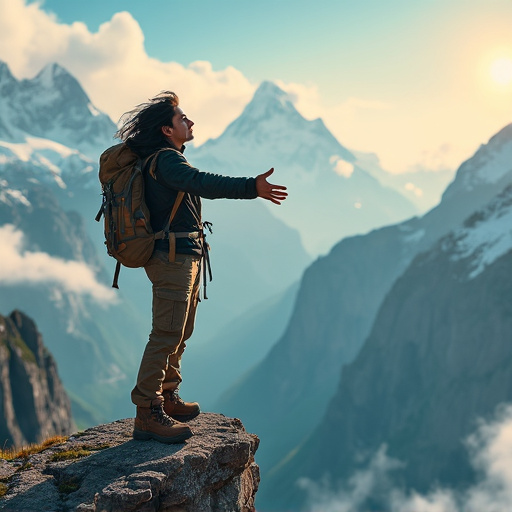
pixel 33 401
pixel 437 362
pixel 337 303
pixel 330 195
pixel 52 105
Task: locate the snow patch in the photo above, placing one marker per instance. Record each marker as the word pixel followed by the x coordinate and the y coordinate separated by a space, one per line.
pixel 488 237
pixel 93 110
pixel 10 196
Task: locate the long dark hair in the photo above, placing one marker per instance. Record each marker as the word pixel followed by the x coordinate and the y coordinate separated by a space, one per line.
pixel 141 128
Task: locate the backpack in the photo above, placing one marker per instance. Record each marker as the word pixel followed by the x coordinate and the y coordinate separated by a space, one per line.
pixel 128 234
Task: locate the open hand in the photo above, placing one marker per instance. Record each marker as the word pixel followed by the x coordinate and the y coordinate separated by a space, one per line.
pixel 266 190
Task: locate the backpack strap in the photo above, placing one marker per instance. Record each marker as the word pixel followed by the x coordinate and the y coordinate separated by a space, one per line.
pixel 169 234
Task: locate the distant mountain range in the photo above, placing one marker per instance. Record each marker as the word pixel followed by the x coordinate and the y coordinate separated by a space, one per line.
pixel 288 397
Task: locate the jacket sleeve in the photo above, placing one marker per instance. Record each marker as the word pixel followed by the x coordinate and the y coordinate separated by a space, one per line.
pixel 175 172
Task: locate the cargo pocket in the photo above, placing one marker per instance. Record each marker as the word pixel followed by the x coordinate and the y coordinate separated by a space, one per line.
pixel 169 309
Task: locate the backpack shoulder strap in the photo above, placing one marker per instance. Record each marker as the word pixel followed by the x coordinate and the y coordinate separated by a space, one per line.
pixel 154 158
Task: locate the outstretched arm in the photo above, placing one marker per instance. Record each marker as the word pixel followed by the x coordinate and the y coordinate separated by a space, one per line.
pixel 266 190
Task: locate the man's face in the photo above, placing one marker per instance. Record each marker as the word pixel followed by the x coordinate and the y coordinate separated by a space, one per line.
pixel 181 129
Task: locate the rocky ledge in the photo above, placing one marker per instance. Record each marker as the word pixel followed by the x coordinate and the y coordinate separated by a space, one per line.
pixel 104 469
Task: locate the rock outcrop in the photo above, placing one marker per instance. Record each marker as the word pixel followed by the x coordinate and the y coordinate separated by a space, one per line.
pixel 33 402
pixel 103 469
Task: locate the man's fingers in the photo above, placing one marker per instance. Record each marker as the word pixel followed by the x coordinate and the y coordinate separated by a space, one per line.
pixel 268 173
pixel 280 187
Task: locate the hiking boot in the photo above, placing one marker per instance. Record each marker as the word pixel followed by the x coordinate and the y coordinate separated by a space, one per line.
pixel 153 423
pixel 175 407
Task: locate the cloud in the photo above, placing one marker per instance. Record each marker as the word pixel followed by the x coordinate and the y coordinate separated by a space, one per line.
pixel 411 187
pixel 114 68
pixel 24 267
pixel 490 451
pixel 373 481
pixel 341 167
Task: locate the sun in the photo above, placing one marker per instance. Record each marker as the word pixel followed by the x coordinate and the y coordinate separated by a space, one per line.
pixel 501 71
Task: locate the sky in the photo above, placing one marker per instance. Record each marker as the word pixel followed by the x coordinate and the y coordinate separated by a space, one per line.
pixel 422 83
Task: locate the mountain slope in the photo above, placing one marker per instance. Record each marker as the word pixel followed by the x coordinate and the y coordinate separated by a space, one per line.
pixel 330 195
pixel 438 359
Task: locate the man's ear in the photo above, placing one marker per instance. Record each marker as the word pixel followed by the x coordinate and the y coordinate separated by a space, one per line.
pixel 167 131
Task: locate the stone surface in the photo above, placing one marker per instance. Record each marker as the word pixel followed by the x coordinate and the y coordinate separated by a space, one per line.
pixel 212 471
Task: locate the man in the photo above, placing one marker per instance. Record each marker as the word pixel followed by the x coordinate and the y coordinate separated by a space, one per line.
pixel 157 132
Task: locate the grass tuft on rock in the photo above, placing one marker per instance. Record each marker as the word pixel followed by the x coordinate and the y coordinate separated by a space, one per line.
pixel 76 453
pixel 26 451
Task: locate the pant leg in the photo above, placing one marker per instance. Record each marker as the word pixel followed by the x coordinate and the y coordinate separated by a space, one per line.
pixel 173 287
pixel 173 374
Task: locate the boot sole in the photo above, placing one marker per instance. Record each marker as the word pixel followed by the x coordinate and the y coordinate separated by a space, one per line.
pixel 142 435
pixel 185 417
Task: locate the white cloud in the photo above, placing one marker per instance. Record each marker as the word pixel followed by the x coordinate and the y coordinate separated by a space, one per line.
pixel 350 496
pixel 341 167
pixel 21 267
pixel 114 68
pixel 490 450
pixel 411 187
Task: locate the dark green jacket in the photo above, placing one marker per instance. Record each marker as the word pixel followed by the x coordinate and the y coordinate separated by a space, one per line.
pixel 173 173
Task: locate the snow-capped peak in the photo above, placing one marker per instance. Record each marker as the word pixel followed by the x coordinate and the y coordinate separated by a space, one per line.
pixel 269 101
pixel 490 164
pixel 52 105
pixel 48 75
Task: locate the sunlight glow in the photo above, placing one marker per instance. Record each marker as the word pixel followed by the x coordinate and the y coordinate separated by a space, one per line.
pixel 501 71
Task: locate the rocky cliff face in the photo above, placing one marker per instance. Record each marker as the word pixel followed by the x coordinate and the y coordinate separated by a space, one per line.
pixel 337 303
pixel 33 402
pixel 437 361
pixel 104 469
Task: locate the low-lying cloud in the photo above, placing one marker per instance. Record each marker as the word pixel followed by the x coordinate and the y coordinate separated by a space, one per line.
pixel 25 267
pixel 490 452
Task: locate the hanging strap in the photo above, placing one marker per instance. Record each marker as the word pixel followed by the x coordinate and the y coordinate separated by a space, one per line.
pixel 116 275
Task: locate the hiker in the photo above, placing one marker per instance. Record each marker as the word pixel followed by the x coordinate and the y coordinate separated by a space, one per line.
pixel 157 131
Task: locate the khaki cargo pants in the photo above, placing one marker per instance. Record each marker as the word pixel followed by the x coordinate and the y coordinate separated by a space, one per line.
pixel 175 296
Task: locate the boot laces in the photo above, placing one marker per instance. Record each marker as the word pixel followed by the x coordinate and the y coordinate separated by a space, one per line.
pixel 157 411
pixel 176 398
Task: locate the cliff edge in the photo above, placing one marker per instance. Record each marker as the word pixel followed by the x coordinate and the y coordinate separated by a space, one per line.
pixel 104 469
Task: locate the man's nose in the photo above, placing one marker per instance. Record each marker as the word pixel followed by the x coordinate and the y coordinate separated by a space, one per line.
pixel 190 123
